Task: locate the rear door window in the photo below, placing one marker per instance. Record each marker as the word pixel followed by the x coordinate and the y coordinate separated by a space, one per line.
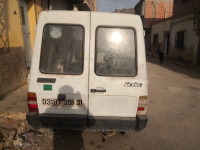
pixel 115 52
pixel 62 49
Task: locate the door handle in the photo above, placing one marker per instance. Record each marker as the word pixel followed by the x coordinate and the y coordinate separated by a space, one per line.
pixel 98 90
pixel 61 97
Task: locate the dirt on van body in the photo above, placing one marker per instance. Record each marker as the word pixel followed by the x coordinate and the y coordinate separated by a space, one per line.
pixel 173 111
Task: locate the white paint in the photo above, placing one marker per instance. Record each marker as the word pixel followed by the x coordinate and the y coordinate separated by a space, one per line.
pixel 187 26
pixel 159 29
pixel 75 86
pixel 118 100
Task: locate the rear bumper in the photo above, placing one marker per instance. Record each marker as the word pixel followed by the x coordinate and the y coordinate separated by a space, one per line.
pixel 81 122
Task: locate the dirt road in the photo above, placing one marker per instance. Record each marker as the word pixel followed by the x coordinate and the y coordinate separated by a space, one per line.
pixel 173 111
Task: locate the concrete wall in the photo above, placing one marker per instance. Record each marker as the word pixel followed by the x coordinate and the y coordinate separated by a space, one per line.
pixel 34 9
pixel 160 29
pixel 191 40
pixel 13 64
pixel 92 4
pixel 59 4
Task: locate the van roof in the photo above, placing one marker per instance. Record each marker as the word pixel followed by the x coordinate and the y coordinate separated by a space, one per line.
pixel 62 12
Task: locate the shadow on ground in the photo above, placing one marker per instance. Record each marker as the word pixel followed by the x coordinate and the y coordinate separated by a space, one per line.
pixel 175 67
pixel 71 118
pixel 68 139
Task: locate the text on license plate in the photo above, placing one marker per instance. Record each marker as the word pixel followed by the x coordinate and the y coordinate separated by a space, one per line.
pixel 67 102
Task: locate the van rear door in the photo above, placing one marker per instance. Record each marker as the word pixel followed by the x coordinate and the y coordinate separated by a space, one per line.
pixel 59 73
pixel 115 83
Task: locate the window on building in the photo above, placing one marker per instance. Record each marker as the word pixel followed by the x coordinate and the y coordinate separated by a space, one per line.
pixel 180 42
pixel 185 1
pixel 155 39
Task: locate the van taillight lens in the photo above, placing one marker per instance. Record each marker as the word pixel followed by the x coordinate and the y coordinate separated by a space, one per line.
pixel 32 102
pixel 142 105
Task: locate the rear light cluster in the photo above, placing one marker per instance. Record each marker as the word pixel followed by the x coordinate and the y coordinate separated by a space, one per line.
pixel 32 102
pixel 142 105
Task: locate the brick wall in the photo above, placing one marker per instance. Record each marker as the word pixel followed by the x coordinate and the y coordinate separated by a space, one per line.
pixel 154 10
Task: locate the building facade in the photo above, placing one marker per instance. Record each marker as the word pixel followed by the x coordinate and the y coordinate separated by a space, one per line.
pixel 125 10
pixel 12 53
pixel 160 36
pixel 151 12
pixel 18 20
pixel 185 31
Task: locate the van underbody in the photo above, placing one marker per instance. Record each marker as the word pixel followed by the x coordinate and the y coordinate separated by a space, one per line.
pixel 83 122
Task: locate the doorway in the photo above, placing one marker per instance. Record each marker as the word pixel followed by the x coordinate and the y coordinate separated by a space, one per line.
pixel 166 44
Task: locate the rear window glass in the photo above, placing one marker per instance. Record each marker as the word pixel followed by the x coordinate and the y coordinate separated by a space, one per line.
pixel 62 49
pixel 115 52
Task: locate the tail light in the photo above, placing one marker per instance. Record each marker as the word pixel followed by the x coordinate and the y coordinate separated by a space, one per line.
pixel 142 105
pixel 32 102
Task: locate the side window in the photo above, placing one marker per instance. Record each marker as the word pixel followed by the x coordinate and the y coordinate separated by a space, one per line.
pixel 62 49
pixel 115 52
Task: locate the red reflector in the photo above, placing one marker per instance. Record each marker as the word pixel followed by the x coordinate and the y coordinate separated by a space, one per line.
pixel 33 107
pixel 140 108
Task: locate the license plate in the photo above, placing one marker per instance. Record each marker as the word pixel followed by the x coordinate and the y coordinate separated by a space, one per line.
pixel 64 103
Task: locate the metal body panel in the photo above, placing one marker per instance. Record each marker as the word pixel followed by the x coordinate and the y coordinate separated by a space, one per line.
pixel 75 86
pixel 122 93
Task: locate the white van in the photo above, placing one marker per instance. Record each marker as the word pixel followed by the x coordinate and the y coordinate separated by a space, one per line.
pixel 88 72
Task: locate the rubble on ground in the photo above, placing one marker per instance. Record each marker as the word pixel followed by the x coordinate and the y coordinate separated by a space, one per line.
pixel 22 137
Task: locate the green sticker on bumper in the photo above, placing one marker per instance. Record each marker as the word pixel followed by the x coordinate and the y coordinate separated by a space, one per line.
pixel 47 87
